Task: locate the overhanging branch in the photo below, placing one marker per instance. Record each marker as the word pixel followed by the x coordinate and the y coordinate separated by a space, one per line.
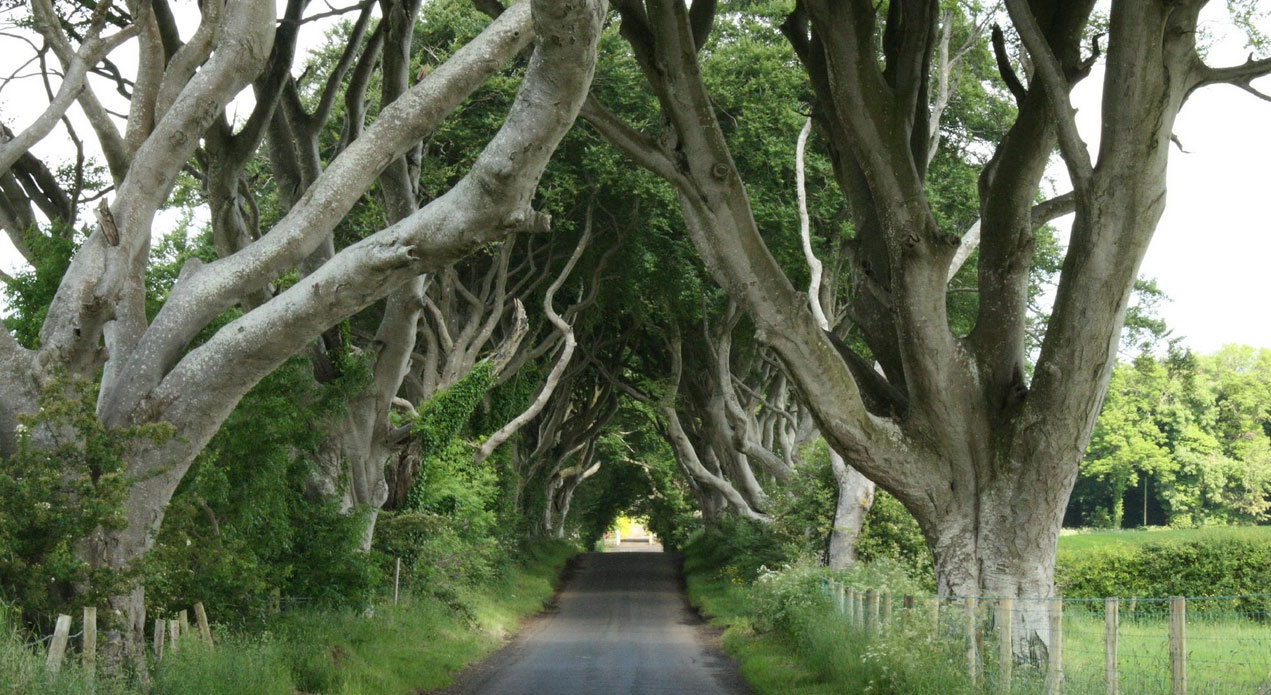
pixel 1055 84
pixel 1241 76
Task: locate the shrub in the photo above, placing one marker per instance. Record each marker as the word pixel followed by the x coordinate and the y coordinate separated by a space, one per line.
pixel 1214 567
pixel 736 547
pixel 240 525
pixel 891 533
pixel 66 479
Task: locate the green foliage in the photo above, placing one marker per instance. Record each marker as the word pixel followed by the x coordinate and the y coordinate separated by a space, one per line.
pixel 443 416
pixel 783 597
pixel 169 256
pixel 29 294
pixel 448 537
pixel 892 534
pixel 67 479
pixel 639 478
pixel 803 510
pixel 1214 566
pixel 1192 432
pixel 736 548
pixel 240 526
pixel 803 516
pixel 448 533
pixel 788 638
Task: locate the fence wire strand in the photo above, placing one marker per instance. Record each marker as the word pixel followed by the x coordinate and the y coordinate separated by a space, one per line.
pixel 1216 645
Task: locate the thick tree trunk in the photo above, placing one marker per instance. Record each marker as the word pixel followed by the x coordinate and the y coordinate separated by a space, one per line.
pixel 855 498
pixel 153 375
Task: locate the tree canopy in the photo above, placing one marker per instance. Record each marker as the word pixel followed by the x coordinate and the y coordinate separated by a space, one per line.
pixel 790 252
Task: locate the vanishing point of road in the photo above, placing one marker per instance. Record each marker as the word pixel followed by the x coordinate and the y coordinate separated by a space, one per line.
pixel 622 626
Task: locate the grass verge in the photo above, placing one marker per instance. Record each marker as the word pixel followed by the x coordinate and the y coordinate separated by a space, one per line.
pixel 410 648
pixel 789 638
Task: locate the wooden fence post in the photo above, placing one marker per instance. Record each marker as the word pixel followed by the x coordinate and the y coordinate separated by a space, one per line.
pixel 850 600
pixel 871 610
pixel 840 598
pixel 886 621
pixel 57 648
pixel 205 630
pixel 174 636
pixel 1178 645
pixel 184 617
pixel 1111 617
pixel 972 652
pixel 158 639
pixel 1054 684
pixel 275 600
pixel 89 646
pixel 1005 644
pixel 935 616
pixel 397 578
pixel 860 609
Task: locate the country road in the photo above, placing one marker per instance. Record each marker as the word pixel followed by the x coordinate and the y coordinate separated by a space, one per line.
pixel 622 627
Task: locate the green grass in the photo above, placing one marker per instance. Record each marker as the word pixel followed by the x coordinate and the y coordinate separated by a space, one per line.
pixel 419 644
pixel 821 655
pixel 406 649
pixel 1225 653
pixel 815 651
pixel 1082 540
pixel 769 663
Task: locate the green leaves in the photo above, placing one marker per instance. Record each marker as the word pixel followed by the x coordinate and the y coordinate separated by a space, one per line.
pixel 443 416
pixel 1194 431
pixel 66 481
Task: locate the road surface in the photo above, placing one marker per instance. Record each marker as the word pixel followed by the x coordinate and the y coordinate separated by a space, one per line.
pixel 623 627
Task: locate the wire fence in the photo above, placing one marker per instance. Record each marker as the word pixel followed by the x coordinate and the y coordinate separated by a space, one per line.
pixel 169 632
pixel 1204 645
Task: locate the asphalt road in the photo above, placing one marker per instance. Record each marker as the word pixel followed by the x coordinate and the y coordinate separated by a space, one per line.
pixel 622 626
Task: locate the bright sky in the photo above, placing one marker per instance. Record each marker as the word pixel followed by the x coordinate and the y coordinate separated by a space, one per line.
pixel 1212 250
pixel 1212 247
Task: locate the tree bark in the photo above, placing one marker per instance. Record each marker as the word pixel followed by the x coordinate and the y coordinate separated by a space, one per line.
pixel 855 498
pixel 982 458
pixel 151 375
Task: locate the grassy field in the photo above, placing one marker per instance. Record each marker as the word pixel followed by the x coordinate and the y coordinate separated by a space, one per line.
pixel 1228 648
pixel 828 656
pixel 1223 655
pixel 410 648
pixel 1081 540
pixel 1226 652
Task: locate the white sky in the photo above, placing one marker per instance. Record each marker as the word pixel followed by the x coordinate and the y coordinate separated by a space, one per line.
pixel 1212 250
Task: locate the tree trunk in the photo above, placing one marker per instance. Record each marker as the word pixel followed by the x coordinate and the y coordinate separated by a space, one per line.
pixel 856 496
pixel 151 374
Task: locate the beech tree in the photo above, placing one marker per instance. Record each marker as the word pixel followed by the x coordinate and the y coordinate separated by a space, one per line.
pixel 981 454
pixel 150 372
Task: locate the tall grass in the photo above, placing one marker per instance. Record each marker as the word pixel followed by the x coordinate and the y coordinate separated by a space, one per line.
pixel 409 648
pixel 238 664
pixel 790 638
pixel 22 670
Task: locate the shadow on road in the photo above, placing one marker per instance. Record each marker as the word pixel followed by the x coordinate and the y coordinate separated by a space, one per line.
pixel 621 625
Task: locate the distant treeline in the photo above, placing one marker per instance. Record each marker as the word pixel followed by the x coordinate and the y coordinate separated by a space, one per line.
pixel 1183 440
